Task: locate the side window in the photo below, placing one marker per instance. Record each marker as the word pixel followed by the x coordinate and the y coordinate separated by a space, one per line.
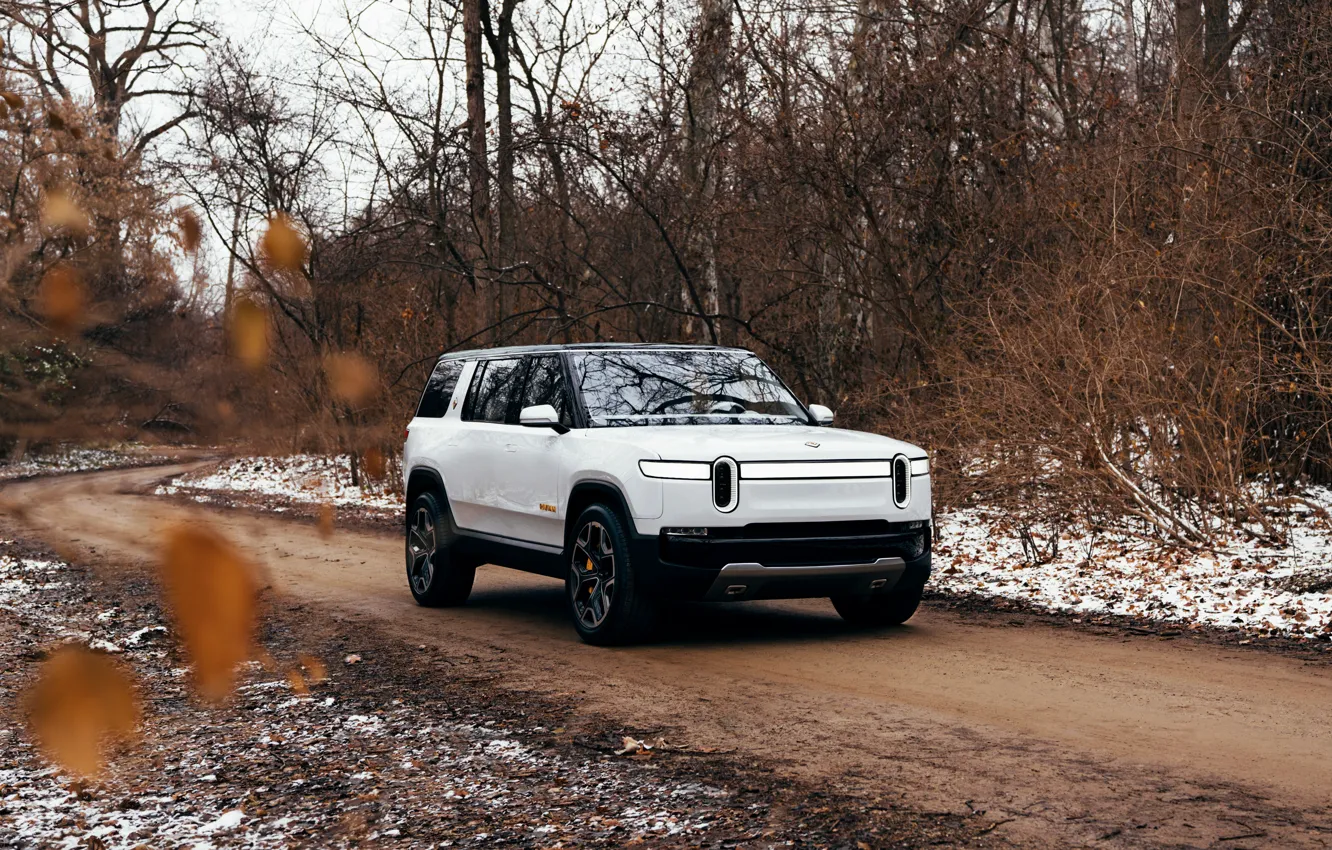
pixel 493 392
pixel 439 389
pixel 545 385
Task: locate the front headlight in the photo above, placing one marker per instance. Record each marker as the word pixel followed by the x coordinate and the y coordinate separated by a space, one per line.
pixel 679 469
pixel 920 466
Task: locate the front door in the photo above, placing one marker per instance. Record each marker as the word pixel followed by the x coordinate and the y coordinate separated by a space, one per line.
pixel 485 441
pixel 528 472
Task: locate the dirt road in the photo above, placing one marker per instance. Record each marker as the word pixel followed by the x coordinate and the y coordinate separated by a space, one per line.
pixel 1068 738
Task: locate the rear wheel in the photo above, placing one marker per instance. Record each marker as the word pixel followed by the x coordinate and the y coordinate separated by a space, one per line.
pixel 435 576
pixel 608 604
pixel 877 610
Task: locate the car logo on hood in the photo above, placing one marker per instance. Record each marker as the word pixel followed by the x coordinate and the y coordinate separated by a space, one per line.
pixel 812 444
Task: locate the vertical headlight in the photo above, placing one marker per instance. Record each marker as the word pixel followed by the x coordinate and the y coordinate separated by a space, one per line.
pixel 901 481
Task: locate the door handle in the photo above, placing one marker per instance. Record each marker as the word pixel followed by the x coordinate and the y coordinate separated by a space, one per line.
pixel 511 448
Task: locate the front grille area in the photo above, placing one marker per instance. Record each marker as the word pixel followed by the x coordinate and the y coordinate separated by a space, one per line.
pixel 901 481
pixel 797 544
pixel 724 481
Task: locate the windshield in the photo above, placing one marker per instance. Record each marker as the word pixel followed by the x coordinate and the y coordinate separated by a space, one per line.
pixel 682 387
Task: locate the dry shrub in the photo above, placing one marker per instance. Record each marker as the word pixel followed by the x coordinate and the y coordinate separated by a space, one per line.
pixel 81 703
pixel 1117 370
pixel 210 588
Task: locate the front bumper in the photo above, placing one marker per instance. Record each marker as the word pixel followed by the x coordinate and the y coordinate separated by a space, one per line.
pixel 807 561
pixel 737 582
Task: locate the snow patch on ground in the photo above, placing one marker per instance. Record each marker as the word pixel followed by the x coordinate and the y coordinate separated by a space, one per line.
pixel 73 459
pixel 1251 588
pixel 313 479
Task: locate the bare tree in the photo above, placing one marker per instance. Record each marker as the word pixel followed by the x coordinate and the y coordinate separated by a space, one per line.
pixel 123 52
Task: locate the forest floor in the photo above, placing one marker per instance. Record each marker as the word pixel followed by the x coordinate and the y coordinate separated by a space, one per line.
pixel 397 746
pixel 970 724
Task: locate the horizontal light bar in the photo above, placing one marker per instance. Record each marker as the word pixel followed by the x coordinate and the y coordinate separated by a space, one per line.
pixel 818 469
pixel 681 469
pixel 920 466
pixel 685 532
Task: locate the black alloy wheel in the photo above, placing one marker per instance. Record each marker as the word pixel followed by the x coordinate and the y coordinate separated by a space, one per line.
pixel 437 578
pixel 609 606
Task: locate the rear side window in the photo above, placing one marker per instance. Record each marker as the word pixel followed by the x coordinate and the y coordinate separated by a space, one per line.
pixel 494 391
pixel 439 389
pixel 545 385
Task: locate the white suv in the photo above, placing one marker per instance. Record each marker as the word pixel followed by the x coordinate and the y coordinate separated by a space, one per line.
pixel 639 473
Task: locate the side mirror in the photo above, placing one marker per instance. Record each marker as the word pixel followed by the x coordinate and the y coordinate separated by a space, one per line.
pixel 822 415
pixel 542 416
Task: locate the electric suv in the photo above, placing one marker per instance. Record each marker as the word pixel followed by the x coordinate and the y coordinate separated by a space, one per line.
pixel 643 473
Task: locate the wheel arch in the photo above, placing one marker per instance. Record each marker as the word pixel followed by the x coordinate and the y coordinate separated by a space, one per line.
pixel 423 479
pixel 587 493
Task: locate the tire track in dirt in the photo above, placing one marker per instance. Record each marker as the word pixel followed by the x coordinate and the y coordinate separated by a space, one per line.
pixel 1070 738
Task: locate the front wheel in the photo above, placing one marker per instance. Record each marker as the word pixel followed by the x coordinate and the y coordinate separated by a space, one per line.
pixel 609 605
pixel 879 610
pixel 436 577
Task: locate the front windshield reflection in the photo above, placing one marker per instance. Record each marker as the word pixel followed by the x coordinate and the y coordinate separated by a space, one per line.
pixel 682 387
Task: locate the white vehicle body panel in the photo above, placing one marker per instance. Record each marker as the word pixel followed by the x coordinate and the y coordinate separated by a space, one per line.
pixel 514 482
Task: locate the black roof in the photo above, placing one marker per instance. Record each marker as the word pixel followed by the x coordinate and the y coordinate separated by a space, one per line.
pixel 580 346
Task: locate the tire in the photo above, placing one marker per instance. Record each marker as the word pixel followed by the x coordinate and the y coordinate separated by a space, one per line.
pixel 609 605
pixel 436 578
pixel 880 610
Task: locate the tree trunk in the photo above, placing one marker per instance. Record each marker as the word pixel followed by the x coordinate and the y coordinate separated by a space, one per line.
pixel 478 171
pixel 1189 64
pixel 1216 14
pixel 500 39
pixel 230 293
pixel 702 165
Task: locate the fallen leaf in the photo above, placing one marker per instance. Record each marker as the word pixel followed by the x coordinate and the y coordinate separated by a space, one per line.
pixel 325 521
pixel 314 668
pixel 374 464
pixel 250 334
pixel 210 589
pixel 297 682
pixel 62 298
pixel 82 701
pixel 282 245
pixel 350 377
pixel 60 210
pixel 353 659
pixel 191 231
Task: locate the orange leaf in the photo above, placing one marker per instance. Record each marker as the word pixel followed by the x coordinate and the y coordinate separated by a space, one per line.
pixel 210 588
pixel 282 245
pixel 81 700
pixel 250 334
pixel 62 298
pixel 350 377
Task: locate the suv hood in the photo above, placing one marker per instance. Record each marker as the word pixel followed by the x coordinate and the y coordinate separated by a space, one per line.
pixel 756 442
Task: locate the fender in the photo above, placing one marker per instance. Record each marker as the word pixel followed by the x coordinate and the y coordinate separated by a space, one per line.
pixel 589 491
pixel 421 478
